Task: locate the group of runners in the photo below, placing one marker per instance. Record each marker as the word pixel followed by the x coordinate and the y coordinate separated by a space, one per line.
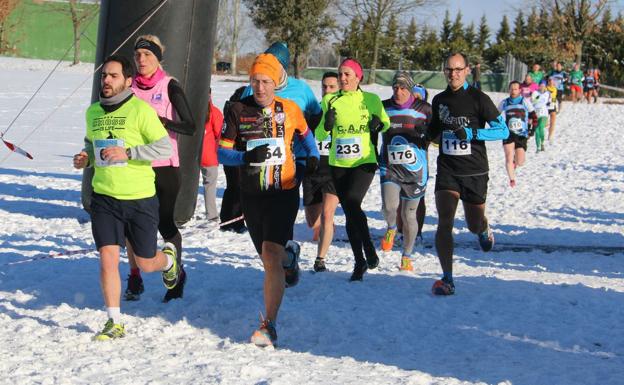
pixel 273 137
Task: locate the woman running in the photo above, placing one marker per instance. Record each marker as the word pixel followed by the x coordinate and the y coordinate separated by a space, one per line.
pixel 166 96
pixel 353 118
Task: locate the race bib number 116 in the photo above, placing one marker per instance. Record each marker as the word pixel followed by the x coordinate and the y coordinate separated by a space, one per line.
pixel 451 145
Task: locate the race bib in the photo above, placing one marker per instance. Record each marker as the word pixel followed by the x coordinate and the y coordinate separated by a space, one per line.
pixel 401 154
pixel 100 145
pixel 348 148
pixel 541 111
pixel 324 146
pixel 451 145
pixel 275 152
pixel 515 125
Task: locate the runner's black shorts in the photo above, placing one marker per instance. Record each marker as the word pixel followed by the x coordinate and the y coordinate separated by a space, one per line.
pixel 519 141
pixel 471 189
pixel 113 220
pixel 270 216
pixel 315 185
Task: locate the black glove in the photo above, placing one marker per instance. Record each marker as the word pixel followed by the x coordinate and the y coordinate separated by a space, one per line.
pixel 330 119
pixel 256 154
pixel 375 125
pixel 533 117
pixel 311 165
pixel 459 132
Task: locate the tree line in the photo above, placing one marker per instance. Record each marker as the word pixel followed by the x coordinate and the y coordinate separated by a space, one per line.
pixel 377 34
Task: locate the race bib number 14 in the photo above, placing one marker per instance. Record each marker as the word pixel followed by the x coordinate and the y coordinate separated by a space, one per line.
pixel 324 146
pixel 451 145
pixel 275 152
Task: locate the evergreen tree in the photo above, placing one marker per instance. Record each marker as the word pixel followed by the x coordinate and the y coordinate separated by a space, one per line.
pixel 457 29
pixel 430 50
pixel 531 25
pixel 519 27
pixel 484 34
pixel 470 36
pixel 544 24
pixel 409 43
pixel 445 33
pixel 503 35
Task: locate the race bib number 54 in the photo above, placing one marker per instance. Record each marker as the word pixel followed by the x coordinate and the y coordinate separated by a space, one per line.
pixel 275 152
pixel 348 148
pixel 451 145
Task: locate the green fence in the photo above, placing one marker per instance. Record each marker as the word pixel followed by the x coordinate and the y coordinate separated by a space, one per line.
pixel 43 32
pixel 429 79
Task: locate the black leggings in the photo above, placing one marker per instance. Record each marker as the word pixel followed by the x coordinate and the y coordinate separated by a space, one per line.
pixel 351 186
pixel 167 187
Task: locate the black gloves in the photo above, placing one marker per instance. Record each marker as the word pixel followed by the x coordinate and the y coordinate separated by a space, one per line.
pixel 459 132
pixel 311 165
pixel 330 119
pixel 256 154
pixel 375 125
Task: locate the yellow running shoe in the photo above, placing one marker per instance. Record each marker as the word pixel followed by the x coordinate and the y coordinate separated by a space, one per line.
pixel 388 240
pixel 111 331
pixel 406 264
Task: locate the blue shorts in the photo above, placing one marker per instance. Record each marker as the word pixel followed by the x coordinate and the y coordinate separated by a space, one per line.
pixel 113 220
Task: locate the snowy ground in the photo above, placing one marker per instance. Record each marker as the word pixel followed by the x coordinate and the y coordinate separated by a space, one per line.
pixel 545 308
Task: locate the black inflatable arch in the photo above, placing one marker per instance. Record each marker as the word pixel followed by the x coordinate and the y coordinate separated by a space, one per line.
pixel 187 29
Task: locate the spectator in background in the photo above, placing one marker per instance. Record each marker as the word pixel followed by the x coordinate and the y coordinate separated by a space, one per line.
pixel 209 162
pixel 476 76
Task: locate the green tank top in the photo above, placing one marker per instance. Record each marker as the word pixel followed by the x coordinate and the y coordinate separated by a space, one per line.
pixel 351 143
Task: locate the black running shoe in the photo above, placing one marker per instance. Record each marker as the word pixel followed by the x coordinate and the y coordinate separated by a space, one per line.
pixel 372 260
pixel 358 271
pixel 319 265
pixel 134 289
pixel 292 272
pixel 178 290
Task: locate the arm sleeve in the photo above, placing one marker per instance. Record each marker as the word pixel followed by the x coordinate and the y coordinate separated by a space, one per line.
pixel 498 129
pixel 88 148
pixel 185 125
pixel 308 142
pixel 226 153
pixel 157 150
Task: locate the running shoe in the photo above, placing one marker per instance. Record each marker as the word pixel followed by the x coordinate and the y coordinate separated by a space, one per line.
pixel 372 260
pixel 486 239
pixel 443 287
pixel 171 276
pixel 319 265
pixel 178 290
pixel 111 331
pixel 358 271
pixel 265 335
pixel 134 289
pixel 406 264
pixel 292 272
pixel 388 240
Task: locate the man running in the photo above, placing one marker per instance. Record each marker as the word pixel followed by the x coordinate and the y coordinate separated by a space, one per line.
pixel 403 164
pixel 559 77
pixel 459 116
pixel 124 135
pixel 319 193
pixel 536 73
pixel 589 86
pixel 258 136
pixel 542 101
pixel 517 109
pixel 576 83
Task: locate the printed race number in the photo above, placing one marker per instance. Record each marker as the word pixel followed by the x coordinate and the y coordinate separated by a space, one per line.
pixel 348 148
pixel 275 153
pixel 451 145
pixel 515 125
pixel 100 145
pixel 324 146
pixel 401 154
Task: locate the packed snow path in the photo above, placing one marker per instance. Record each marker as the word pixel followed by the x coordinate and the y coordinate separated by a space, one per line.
pixel 545 308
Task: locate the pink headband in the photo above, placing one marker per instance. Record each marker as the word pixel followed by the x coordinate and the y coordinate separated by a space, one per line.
pixel 355 66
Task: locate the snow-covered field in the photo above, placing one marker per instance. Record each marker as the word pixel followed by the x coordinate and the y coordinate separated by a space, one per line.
pixel 546 307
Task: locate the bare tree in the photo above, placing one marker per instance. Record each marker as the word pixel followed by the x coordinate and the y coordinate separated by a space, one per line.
pixel 79 11
pixel 234 44
pixel 575 20
pixel 377 14
pixel 6 26
pixel 234 29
